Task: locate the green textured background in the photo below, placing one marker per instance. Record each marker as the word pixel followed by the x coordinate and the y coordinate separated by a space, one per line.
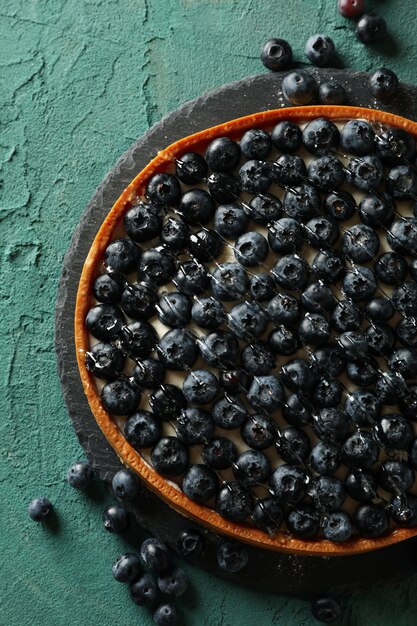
pixel 79 82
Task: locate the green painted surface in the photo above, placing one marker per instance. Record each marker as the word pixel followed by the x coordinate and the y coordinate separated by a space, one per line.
pixel 79 81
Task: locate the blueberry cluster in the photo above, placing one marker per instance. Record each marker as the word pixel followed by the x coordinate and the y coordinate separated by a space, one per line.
pixel 282 271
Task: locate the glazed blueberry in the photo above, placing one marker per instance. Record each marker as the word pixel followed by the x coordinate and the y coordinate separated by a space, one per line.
pixel 360 485
pixel 229 412
pixel 346 316
pixel 319 50
pixel 365 172
pixel 359 450
pixel 194 426
pixel 318 297
pixel 329 360
pixel 143 591
pixel 360 243
pixel 138 301
pixel 205 245
pixel 327 393
pixel 170 457
pixel 251 249
pixel 175 234
pixel 252 468
pixel 327 609
pixel 327 493
pixel 174 309
pixel 396 476
pixel 232 556
pixel 408 403
pixel 177 349
pixel 255 176
pixel 393 432
pixel 80 475
pixel 357 137
pixel 391 388
pixel 326 173
pixel 288 483
pixel 119 397
pixel 391 268
pixel 261 286
pixel 142 429
pixel 363 407
pixel 328 266
pixel 404 362
pixel 258 431
pixel 371 520
pixel 234 502
pixel 235 381
pixel 287 136
pixel 163 189
pixel 291 272
pixel 299 87
pixel 320 136
pixel 190 543
pixel 303 521
pixel 156 266
pixel 359 283
pixel 364 373
pixel 222 154
pixel 220 453
pixel 166 615
pixel 298 375
pixel 354 344
pixel 191 278
pixel 264 208
pixel 115 519
pixel 231 220
pixel 314 329
pixel 380 338
pixel 289 170
pixel 167 402
pixel 121 255
pixel 283 341
pixel 401 182
pixel 268 514
pixel 340 205
pixel 371 28
pixel 331 425
pixel 220 349
pixel 332 93
pixel 376 210
pixel 258 358
pixel 155 555
pixel 247 320
pixel 149 373
pixel 293 445
pixel 208 312
pixel 395 146
pixel 200 483
pixel 39 509
pixel 302 202
pixel 403 510
pixel 126 568
pixel 297 410
pixel 266 393
pixel 138 338
pixel 200 387
pixel 402 236
pixel 191 168
pixel 104 360
pixel 125 485
pixel 324 458
pixel 256 144
pixel 229 282
pixel 223 187
pixel 383 83
pixel 351 8
pixel 276 54
pixel 174 582
pixel 196 206
pixel 104 321
pixel 142 222
pixel 107 289
pixel 321 232
pixel 379 309
pixel 285 235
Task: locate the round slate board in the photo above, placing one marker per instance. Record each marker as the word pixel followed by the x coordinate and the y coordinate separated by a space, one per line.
pixel 304 576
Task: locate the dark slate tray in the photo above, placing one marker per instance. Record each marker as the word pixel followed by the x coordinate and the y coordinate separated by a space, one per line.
pixel 304 576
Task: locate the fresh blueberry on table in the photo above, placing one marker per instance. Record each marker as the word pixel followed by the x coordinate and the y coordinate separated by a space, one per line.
pixel 142 222
pixel 332 93
pixel 283 341
pixel 126 567
pixel 155 555
pixel 299 88
pixel 291 272
pixel 120 397
pixel 326 173
pixel 359 284
pixel 395 146
pixel 376 210
pixel 289 170
pixel 327 393
pixel 401 182
pixel 297 409
pixel 363 407
pixel 357 137
pixel 402 236
pixel 404 362
pixel 331 425
pixel 396 476
pixel 298 375
pixel 170 457
pixel 380 338
pixel 326 609
pixel 379 309
pixel 229 412
pixel 173 582
pixel 363 373
pixel 200 483
pixel 322 232
pixel 393 432
pixel 191 168
pixel 166 615
pixel 319 50
pixel 293 445
pixel 302 202
pixel 235 381
pixel 328 266
pixel 174 309
pixel 255 176
pixel 258 359
pixel 190 543
pixel 39 509
pixel 247 320
pixel 138 301
pixel 167 402
pixel 144 591
pixel 229 281
pixel 318 297
pixel 258 431
pixel 142 429
pixel 80 475
pixel 329 359
pixel 371 28
pixel 327 492
pixel 156 266
pixel 360 243
pixel 365 172
pixel 276 54
pixel 314 329
pixel 232 556
pixel 383 83
pixel 125 485
pixel 115 519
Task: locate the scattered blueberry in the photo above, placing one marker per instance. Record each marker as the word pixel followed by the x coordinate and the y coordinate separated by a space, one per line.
pixel 232 556
pixel 80 475
pixel 39 509
pixel 371 28
pixel 299 87
pixel 155 555
pixel 144 591
pixel 166 615
pixel 126 568
pixel 327 609
pixel 276 54
pixel 319 50
pixel 383 83
pixel 332 93
pixel 174 582
pixel 115 519
pixel 125 485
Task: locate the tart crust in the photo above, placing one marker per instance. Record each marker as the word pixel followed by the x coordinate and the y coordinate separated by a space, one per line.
pixel 128 455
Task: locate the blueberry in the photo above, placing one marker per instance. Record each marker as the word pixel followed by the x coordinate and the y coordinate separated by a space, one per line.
pixel 107 289
pixel 125 485
pixel 332 93
pixel 351 8
pixel 283 341
pixel 251 249
pixel 359 283
pixel 190 543
pixel 391 268
pixel 303 521
pixel 379 309
pixel 314 329
pixel 166 615
pixel 380 338
pixel 288 483
pixel 376 210
pixel 326 173
pixel 404 362
pixel 346 316
pixel 208 312
pixel 331 424
pixel 268 514
pixel 287 136
pixel 319 50
pixel 205 245
pixel 297 410
pixel 255 176
pixel 302 202
pixel 220 348
pixel 142 429
pixel 318 297
pixel 247 320
pixel 393 432
pixel 276 54
pixel 156 266
pixel 196 206
pixel 175 234
pixel 220 453
pixel 285 235
pixel 383 83
pixel 360 243
pixel 293 445
pixel 324 458
pixel 174 582
pixel 138 338
pixel 371 520
pixel 408 403
pixel 403 510
pixel 396 476
pixel 360 485
pixel 391 388
pixel 191 168
pixel 115 519
pixel 144 591
pixel 80 475
pixel 371 28
pixel 229 282
pixel 39 509
pixel 256 144
pixel 340 205
pixel 142 222
pixel 164 189
pixel 231 220
pixel 200 483
pixel 177 349
pixel 223 187
pixel 357 137
pixel 402 236
pixel 266 393
pixel 299 88
pixel 364 373
pixel 329 360
pixel 222 154
pixel 401 182
pixel 297 375
pixel 365 172
pixel 327 492
pixel 232 556
pixel 321 232
pixel 235 381
pixel 105 361
pixel 354 344
pixel 395 145
pixel 289 170
pixel 155 555
pixel 258 358
pixel 104 321
pixel 327 609
pixel 119 397
pixel 170 457
pixel 328 266
pixel 174 309
pixel 291 272
pixel 264 208
pixel 359 450
pixel 167 402
pixel 234 502
pixel 252 468
pixel 327 393
pixel 121 255
pixel 200 387
pixel 321 136
pixel 126 567
pixel 229 412
pixel 138 301
pixel 194 426
pixel 258 431
pixel 363 407
pixel 404 298
pixel 406 331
